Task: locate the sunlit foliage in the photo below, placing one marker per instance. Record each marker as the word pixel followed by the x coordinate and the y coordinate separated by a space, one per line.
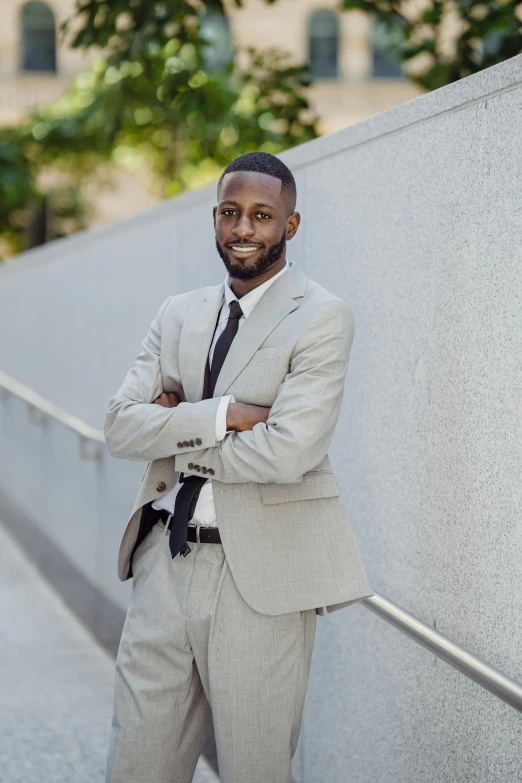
pixel 152 101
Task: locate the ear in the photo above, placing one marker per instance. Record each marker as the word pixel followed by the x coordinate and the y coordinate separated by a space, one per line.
pixel 292 225
pixel 214 213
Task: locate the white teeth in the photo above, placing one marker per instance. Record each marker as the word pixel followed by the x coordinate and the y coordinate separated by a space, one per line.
pixel 243 249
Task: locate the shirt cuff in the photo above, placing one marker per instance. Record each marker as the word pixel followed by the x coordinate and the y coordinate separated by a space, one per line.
pixel 221 416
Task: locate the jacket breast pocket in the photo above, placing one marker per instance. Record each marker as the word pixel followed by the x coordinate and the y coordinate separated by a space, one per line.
pixel 316 484
pixel 260 379
pixel 270 355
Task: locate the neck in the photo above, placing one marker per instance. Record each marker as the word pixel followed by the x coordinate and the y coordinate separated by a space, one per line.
pixel 242 287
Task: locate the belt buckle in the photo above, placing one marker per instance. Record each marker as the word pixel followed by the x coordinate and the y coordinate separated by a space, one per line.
pixel 197 533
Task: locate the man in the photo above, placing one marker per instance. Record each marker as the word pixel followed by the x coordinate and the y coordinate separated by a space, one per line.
pixel 238 537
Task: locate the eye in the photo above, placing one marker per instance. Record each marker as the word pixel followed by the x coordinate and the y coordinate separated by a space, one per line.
pixel 228 212
pixel 263 215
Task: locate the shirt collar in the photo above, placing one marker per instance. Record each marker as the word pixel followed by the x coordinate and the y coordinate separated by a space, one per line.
pixel 249 301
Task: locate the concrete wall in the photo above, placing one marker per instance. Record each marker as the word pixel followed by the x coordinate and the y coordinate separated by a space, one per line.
pixel 415 218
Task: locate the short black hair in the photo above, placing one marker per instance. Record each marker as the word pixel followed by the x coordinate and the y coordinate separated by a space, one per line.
pixel 263 163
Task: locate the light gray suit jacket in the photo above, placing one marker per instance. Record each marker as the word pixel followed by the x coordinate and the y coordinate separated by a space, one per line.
pixel 285 531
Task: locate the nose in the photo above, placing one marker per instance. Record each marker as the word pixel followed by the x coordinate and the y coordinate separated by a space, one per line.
pixel 244 228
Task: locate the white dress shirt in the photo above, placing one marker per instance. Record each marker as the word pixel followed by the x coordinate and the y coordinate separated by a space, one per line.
pixel 205 513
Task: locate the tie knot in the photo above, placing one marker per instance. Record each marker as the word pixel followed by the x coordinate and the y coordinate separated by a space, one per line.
pixel 235 309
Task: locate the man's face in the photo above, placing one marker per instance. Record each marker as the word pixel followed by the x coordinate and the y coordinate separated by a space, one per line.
pixel 253 220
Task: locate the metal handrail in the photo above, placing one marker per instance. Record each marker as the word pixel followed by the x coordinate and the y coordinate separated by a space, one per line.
pixel 473 667
pixel 48 409
pixel 468 664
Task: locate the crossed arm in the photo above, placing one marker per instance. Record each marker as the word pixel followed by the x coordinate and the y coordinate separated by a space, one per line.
pixel 276 445
pixel 240 415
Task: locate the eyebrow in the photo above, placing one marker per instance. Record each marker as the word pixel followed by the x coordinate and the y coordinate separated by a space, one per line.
pixel 257 204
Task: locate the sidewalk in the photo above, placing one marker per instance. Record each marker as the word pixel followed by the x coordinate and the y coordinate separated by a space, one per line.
pixel 55 684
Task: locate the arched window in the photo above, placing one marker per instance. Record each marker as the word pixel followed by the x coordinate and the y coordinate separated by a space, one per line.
pixel 323 44
pixel 38 38
pixel 384 65
pixel 215 29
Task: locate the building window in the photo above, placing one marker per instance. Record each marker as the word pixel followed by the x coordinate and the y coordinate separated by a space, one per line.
pixel 215 29
pixel 323 43
pixel 38 38
pixel 385 66
pixel 491 44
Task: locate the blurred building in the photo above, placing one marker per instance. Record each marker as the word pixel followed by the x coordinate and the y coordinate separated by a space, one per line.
pixel 353 76
pixel 36 67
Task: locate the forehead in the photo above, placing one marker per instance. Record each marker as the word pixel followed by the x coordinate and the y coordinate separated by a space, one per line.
pixel 251 187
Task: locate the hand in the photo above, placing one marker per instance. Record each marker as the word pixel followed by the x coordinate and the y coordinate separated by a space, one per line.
pixel 167 400
pixel 241 416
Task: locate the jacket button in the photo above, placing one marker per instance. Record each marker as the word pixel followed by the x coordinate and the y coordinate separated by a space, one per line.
pixel 186 444
pixel 190 465
pixel 198 441
pixel 196 467
pixel 211 471
pixel 191 443
pixel 203 469
pixel 161 486
pixel 180 444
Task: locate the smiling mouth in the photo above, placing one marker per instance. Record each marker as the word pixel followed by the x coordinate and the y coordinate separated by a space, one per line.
pixel 244 249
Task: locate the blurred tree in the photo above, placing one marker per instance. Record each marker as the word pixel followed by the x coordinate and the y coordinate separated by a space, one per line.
pixel 157 99
pixel 17 192
pixel 442 41
pixel 29 216
pixel 166 96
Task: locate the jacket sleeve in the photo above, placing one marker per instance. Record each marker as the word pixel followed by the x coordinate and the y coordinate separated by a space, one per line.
pixel 136 429
pixel 302 420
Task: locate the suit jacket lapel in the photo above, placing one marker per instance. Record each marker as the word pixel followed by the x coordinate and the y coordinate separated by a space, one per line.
pixel 195 340
pixel 198 330
pixel 273 306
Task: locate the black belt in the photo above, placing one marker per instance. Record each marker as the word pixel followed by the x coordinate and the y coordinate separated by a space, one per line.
pixel 196 533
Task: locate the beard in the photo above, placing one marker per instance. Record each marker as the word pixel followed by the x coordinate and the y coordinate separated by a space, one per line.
pixel 264 262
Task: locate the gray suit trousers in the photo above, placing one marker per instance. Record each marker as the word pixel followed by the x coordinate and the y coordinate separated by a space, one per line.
pixel 192 644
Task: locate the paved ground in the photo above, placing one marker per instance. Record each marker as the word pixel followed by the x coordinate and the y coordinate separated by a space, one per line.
pixel 55 684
